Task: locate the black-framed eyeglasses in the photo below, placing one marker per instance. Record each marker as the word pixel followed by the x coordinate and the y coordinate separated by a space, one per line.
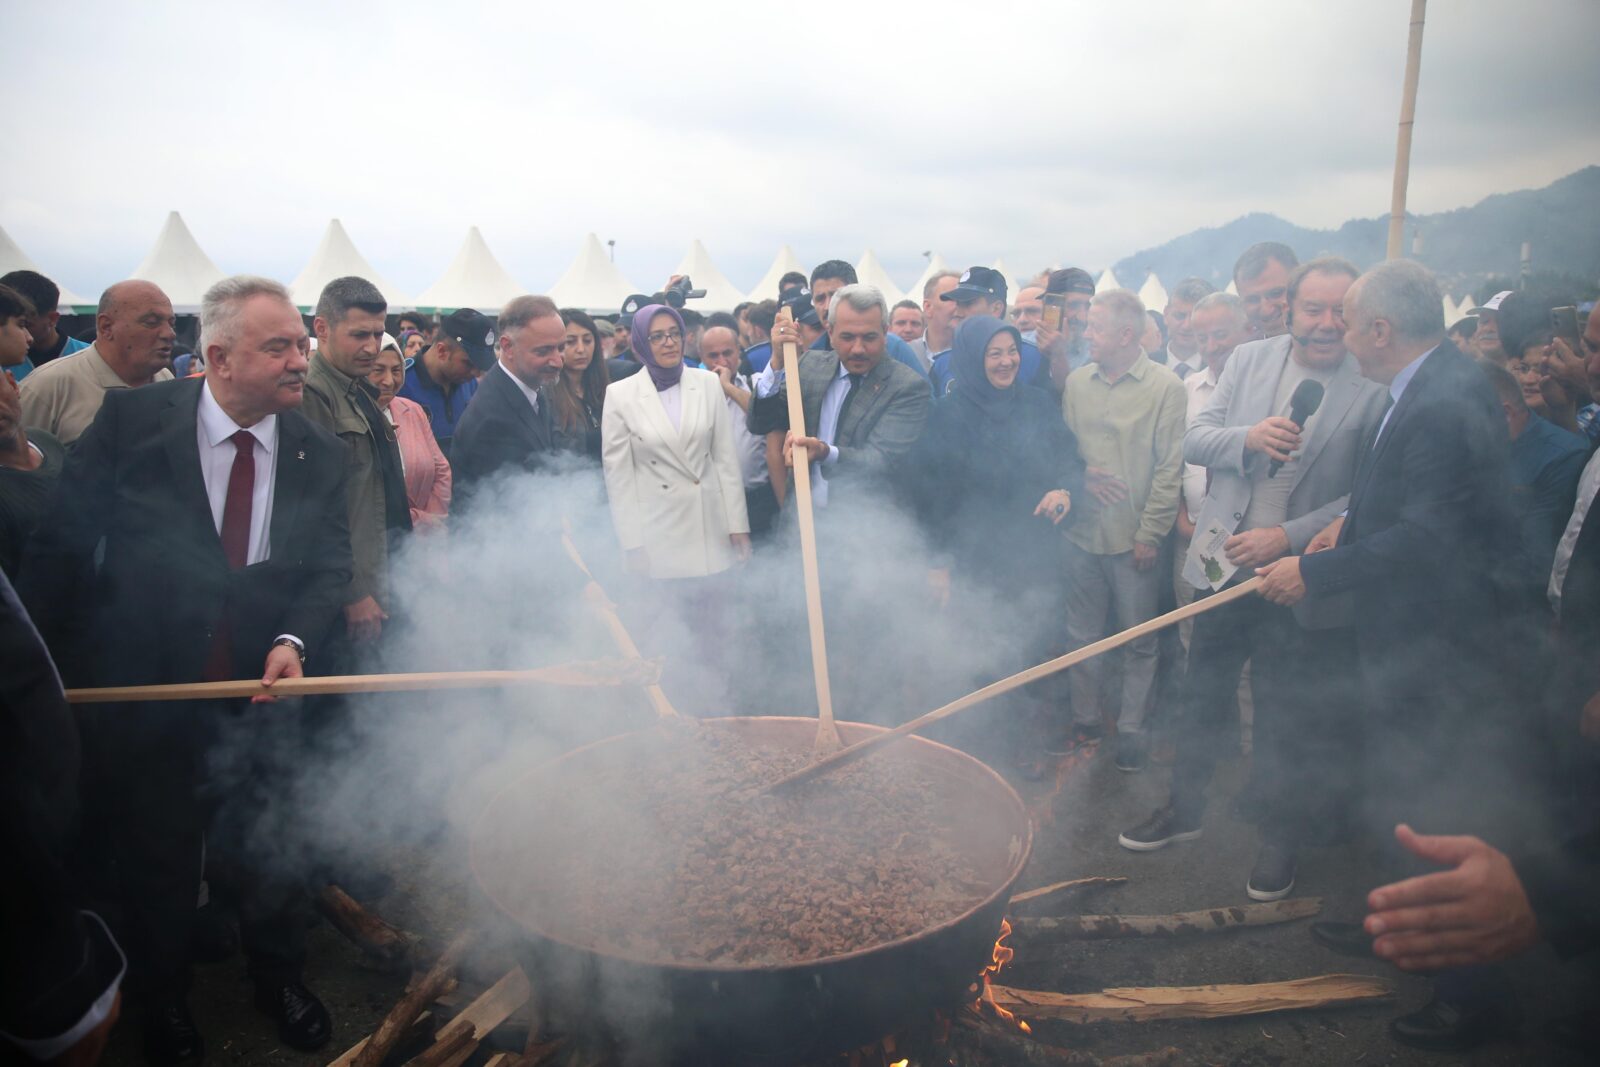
pixel 663 337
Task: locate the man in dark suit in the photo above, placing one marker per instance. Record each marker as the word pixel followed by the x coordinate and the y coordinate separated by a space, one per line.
pixel 220 511
pixel 509 424
pixel 1426 551
pixel 863 412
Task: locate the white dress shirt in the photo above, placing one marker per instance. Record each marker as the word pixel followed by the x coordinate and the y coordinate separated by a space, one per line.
pixel 214 430
pixel 672 403
pixel 1588 488
pixel 1198 386
pixel 1184 367
pixel 531 394
pixel 767 383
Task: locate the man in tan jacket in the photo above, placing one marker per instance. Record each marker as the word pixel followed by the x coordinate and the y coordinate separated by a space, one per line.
pixel 135 329
pixel 349 326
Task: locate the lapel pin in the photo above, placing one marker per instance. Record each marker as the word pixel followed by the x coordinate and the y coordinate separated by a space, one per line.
pixel 299 455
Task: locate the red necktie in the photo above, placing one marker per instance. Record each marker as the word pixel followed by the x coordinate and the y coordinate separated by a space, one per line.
pixel 235 544
pixel 236 511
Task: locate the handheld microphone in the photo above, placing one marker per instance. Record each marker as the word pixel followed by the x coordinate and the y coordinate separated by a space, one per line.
pixel 1303 404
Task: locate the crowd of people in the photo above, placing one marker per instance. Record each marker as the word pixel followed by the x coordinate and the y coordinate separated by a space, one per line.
pixel 1416 502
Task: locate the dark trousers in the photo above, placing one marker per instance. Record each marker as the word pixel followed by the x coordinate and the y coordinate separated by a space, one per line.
pixel 1306 719
pixel 159 778
pixel 761 505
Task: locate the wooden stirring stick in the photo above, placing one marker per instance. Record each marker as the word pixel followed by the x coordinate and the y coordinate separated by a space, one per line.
pixel 597 672
pixel 828 740
pixel 608 613
pixel 1021 678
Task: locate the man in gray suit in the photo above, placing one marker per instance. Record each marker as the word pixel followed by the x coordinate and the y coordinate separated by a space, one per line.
pixel 1275 485
pixel 863 412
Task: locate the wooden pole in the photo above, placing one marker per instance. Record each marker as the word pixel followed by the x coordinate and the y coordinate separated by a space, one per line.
pixel 597 672
pixel 1021 678
pixel 828 740
pixel 619 633
pixel 1408 115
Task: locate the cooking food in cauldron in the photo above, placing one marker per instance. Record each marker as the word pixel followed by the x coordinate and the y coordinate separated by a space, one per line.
pixel 673 854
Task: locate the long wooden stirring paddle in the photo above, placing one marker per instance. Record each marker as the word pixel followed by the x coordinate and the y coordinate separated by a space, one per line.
pixel 828 740
pixel 608 613
pixel 596 672
pixel 1021 678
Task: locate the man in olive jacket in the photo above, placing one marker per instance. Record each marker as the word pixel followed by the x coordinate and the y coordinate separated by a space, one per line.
pixel 349 327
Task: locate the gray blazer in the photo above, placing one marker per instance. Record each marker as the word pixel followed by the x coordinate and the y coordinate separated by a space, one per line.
pixel 883 422
pixel 1350 411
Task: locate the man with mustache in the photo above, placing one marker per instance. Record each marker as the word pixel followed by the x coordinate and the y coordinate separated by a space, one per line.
pixel 133 347
pixel 217 512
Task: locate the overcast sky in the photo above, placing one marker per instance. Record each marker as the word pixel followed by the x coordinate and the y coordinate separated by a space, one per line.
pixel 1061 132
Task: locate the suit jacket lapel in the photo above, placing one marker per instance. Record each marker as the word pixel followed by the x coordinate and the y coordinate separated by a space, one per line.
pixel 180 437
pixel 868 396
pixel 288 490
pixel 1386 433
pixel 655 412
pixel 816 375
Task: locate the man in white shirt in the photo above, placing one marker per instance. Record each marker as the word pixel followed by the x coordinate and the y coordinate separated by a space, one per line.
pixel 719 352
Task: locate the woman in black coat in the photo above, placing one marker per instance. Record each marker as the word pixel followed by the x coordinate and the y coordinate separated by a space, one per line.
pixel 993 481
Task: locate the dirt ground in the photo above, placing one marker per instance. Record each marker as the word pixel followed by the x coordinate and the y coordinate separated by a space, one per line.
pixel 1079 840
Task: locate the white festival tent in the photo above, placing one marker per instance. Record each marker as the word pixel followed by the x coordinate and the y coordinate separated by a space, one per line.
pixel 936 264
pixel 784 262
pixel 1107 282
pixel 474 279
pixel 1452 313
pixel 1232 289
pixel 12 257
pixel 721 294
pixel 870 272
pixel 336 257
pixel 1014 285
pixel 592 283
pixel 1153 294
pixel 178 265
pixel 1465 305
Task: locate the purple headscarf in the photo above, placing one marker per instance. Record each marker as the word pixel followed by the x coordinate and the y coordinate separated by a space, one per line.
pixel 664 377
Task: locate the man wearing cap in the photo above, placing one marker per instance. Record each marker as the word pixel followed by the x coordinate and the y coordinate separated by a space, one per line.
pixel 445 376
pixel 510 425
pixel 982 291
pixel 349 327
pixel 1066 348
pixel 1486 339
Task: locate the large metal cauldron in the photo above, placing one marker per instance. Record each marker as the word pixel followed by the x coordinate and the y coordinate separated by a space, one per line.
pixel 664 1012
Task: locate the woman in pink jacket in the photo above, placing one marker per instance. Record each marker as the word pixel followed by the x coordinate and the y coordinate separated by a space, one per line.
pixel 427 472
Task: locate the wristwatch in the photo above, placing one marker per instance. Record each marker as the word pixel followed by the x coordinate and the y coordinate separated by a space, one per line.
pixel 293 642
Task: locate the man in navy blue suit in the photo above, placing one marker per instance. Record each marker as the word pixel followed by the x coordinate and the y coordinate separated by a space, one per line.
pixel 1427 552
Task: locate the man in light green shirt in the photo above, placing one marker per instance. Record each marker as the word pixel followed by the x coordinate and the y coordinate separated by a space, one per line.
pixel 1127 414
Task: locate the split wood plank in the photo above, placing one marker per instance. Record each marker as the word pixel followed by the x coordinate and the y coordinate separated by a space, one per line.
pixel 457 1041
pixel 1148 1003
pixel 1061 887
pixel 1100 927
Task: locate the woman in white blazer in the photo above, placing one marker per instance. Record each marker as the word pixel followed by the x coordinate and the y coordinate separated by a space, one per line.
pixel 672 475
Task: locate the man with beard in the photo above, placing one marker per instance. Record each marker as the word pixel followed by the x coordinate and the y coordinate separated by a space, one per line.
pixel 47 342
pixel 1026 311
pixel 1262 277
pixel 1486 339
pixel 133 347
pixel 509 424
pixel 1274 485
pixel 444 378
pixel 1183 355
pixel 349 327
pixel 1066 348
pixel 214 513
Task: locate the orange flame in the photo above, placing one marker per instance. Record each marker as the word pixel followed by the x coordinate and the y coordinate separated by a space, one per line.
pixel 1002 955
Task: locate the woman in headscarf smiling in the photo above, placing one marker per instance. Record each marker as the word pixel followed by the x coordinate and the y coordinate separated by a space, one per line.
pixel 994 479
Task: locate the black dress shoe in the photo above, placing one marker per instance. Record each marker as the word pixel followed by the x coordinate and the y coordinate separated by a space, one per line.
pixel 1349 938
pixel 171 1038
pixel 1445 1026
pixel 303 1022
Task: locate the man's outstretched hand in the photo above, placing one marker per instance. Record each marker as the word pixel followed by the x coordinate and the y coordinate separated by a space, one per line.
pixel 1476 912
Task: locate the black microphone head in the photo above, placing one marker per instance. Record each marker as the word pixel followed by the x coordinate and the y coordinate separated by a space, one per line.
pixel 1306 400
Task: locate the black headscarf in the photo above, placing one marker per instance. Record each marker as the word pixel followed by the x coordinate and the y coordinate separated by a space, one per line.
pixel 971 384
